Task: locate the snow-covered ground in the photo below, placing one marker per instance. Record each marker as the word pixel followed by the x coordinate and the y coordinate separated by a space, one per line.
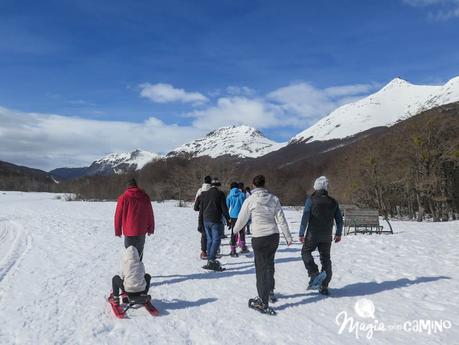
pixel 57 259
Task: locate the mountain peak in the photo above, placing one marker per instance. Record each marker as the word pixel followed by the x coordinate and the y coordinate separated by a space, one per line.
pixel 239 141
pixel 396 82
pixel 396 101
pixel 120 162
pixel 232 130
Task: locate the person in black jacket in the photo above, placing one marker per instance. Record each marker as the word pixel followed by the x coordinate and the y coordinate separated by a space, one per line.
pixel 212 209
pixel 197 201
pixel 319 212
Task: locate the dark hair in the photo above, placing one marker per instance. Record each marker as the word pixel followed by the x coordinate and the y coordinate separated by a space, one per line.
pixel 131 182
pixel 241 185
pixel 215 182
pixel 259 181
pixel 234 185
pixel 207 179
pixel 247 189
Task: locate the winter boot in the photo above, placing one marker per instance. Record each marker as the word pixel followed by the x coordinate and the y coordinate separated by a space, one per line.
pixel 257 304
pixel 215 265
pixel 323 290
pixel 116 299
pixel 203 255
pixel 243 247
pixel 272 297
pixel 233 253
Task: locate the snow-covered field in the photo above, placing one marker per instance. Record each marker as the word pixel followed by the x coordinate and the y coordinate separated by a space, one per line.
pixel 57 259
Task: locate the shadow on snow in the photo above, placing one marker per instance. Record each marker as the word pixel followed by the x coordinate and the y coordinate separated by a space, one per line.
pixel 361 289
pixel 241 270
pixel 164 305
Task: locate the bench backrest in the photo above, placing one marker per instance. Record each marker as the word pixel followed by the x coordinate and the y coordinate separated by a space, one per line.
pixel 361 217
pixel 346 207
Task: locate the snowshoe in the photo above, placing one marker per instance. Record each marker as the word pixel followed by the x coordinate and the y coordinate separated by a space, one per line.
pixel 125 303
pixel 316 281
pixel 323 290
pixel 151 309
pixel 257 304
pixel 117 309
pixel 213 266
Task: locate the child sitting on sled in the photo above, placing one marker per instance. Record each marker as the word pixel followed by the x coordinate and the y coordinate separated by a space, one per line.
pixel 134 281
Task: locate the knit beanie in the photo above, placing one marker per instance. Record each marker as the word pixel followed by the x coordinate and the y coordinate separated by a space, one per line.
pixel 321 183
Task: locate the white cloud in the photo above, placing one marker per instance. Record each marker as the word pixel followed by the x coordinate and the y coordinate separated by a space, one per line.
pixel 350 90
pixel 48 141
pixel 240 91
pixel 441 9
pixel 236 110
pixel 166 93
pixel 306 101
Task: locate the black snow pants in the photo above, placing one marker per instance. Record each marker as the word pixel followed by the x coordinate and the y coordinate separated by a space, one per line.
pixel 264 249
pixel 136 241
pixel 309 246
pixel 203 241
pixel 117 285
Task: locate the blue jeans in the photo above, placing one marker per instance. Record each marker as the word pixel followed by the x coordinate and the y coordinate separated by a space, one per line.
pixel 214 233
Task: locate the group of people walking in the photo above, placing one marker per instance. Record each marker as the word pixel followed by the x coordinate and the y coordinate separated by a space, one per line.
pixel 254 212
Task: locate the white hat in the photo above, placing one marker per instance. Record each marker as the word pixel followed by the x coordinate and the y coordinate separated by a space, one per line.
pixel 321 183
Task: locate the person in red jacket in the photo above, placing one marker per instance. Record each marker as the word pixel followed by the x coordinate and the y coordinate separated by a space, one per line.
pixel 134 217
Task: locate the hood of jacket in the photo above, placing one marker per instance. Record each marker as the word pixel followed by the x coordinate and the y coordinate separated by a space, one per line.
pixel 263 196
pixel 266 213
pixel 205 187
pixel 235 192
pixel 135 192
pixel 234 201
pixel 133 271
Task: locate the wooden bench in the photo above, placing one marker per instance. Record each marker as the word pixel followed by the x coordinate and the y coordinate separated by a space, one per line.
pixel 346 207
pixel 364 221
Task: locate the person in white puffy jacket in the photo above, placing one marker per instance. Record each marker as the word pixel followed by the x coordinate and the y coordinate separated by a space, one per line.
pixel 268 218
pixel 134 281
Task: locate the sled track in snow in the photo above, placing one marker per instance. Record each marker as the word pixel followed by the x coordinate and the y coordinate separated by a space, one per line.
pixel 14 244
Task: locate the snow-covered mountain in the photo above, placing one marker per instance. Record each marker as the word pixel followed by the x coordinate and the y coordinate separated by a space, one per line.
pixel 239 141
pixel 114 163
pixel 122 162
pixel 395 102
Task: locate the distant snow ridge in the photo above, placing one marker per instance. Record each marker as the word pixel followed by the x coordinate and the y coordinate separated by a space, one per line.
pixel 122 162
pixel 239 141
pixel 395 102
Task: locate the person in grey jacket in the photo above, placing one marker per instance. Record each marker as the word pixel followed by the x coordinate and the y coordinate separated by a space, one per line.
pixel 268 218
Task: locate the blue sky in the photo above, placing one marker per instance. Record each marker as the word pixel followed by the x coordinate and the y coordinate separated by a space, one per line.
pixel 181 68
